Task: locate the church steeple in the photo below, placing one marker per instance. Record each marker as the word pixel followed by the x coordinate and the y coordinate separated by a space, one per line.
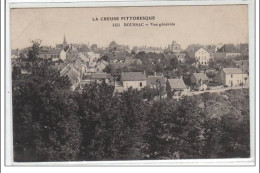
pixel 64 42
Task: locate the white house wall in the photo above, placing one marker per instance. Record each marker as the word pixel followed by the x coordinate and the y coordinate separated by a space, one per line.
pixel 202 56
pixel 134 84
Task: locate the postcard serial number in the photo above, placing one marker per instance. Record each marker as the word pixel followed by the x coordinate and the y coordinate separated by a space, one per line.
pixel 143 24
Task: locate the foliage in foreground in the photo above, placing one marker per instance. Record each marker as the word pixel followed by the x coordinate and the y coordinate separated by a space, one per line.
pixel 52 123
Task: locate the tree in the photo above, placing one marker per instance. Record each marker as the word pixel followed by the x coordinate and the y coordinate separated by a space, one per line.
pixel 46 127
pixel 226 132
pixel 93 47
pixel 174 64
pixel 84 48
pixel 211 74
pixel 175 129
pixel 34 50
pixel 133 52
pixel 112 46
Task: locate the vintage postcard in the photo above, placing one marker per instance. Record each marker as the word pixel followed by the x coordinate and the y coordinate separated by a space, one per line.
pixel 167 83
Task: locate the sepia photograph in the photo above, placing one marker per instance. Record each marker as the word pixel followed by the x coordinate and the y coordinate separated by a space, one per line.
pixel 130 83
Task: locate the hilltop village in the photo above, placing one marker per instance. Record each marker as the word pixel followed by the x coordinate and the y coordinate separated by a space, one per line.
pixel 172 70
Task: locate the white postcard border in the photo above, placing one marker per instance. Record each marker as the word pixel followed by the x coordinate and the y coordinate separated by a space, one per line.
pixel 69 3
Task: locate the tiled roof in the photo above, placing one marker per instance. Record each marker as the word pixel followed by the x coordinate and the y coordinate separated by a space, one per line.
pixel 177 84
pixel 66 48
pixel 83 57
pixel 152 80
pixel 51 51
pixel 244 46
pixel 133 76
pixel 199 76
pixel 228 48
pixel 71 54
pixel 232 70
pixel 220 55
pixel 71 72
pixel 99 76
pixel 132 61
pixel 198 48
pixel 192 47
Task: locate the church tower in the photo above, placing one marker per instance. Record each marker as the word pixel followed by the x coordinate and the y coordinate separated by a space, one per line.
pixel 64 42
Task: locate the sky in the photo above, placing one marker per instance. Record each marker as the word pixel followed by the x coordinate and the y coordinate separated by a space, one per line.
pixel 193 25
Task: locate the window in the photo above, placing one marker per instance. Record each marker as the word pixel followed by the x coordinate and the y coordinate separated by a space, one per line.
pixel 232 76
pixel 141 84
pixel 57 56
pixel 54 56
pixel 51 56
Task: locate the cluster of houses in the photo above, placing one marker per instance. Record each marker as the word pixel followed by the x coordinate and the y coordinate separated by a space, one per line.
pixel 85 67
pixel 203 54
pixel 228 77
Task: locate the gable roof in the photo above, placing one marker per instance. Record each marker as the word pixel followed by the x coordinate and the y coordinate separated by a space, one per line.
pixel 220 55
pixel 177 84
pixel 198 48
pixel 50 51
pixel 72 53
pixel 100 76
pixel 228 48
pixel 232 70
pixel 199 76
pixel 130 60
pixel 83 57
pixel 133 76
pixel 71 72
pixel 193 47
pixel 152 80
pixel 66 48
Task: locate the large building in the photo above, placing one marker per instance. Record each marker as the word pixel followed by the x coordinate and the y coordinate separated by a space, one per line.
pixel 57 53
pixel 230 51
pixel 202 56
pixel 232 77
pixel 136 80
pixel 50 53
pixel 174 47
